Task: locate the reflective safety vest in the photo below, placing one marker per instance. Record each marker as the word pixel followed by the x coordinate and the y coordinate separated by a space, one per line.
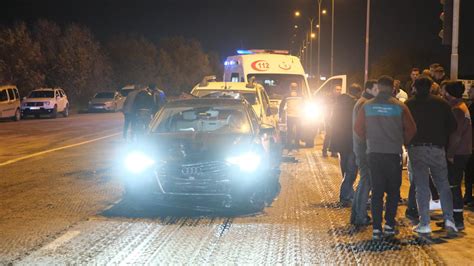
pixel 294 106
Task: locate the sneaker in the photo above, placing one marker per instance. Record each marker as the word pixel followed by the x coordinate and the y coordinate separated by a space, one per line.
pixel 435 205
pixel 422 229
pixel 389 231
pixel 377 234
pixel 460 225
pixel 450 227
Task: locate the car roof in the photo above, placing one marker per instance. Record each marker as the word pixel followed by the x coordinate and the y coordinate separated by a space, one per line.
pixel 45 89
pixel 240 86
pixel 7 87
pixel 205 101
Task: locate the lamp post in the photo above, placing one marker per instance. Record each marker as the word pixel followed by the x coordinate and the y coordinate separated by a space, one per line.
pixel 309 42
pixel 332 38
pixel 319 41
pixel 367 31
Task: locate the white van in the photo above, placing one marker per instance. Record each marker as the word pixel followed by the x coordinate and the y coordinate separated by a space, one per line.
pixel 275 70
pixel 10 102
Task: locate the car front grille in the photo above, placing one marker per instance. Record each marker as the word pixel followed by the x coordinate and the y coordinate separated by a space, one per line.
pixel 205 178
pixel 34 104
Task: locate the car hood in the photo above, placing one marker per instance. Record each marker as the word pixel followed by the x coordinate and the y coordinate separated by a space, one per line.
pixel 29 100
pixel 200 147
pixel 101 100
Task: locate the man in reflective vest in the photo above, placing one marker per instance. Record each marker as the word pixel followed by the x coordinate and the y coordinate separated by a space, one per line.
pixel 292 105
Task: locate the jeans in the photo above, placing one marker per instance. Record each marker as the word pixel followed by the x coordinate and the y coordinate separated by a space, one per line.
pixel 293 137
pixel 128 123
pixel 411 205
pixel 425 160
pixel 455 174
pixel 386 178
pixel 361 195
pixel 349 175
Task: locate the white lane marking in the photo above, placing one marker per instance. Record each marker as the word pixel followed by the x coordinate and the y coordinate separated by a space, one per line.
pixel 61 240
pixel 56 149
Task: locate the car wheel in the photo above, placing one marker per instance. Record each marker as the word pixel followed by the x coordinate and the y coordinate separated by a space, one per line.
pixel 66 111
pixel 251 202
pixel 54 113
pixel 17 116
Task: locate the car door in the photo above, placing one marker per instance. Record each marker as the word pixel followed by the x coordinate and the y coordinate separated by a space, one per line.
pixel 3 103
pixel 10 110
pixel 266 115
pixel 65 99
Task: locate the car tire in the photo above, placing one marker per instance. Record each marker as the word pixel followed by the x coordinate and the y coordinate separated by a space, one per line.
pixel 54 114
pixel 17 116
pixel 250 203
pixel 66 111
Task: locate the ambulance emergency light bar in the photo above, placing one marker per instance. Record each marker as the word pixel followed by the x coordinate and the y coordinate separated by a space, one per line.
pixel 262 51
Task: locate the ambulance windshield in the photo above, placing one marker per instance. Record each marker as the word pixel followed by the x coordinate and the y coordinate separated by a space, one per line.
pixel 278 85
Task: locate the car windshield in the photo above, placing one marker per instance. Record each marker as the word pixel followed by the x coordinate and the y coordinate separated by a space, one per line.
pixel 249 96
pixel 278 85
pixel 217 119
pixel 104 95
pixel 41 94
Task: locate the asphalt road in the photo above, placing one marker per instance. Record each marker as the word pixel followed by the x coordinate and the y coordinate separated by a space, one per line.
pixel 60 203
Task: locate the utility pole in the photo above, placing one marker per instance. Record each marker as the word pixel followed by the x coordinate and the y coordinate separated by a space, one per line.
pixel 367 31
pixel 332 38
pixel 455 40
pixel 318 75
pixel 311 47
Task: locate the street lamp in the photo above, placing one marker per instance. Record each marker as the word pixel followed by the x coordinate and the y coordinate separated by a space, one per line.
pixel 313 35
pixel 297 14
pixel 324 11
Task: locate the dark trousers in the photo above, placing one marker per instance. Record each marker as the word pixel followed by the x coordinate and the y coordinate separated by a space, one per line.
pixel 469 178
pixel 327 134
pixel 293 130
pixel 386 178
pixel 349 175
pixel 128 123
pixel 455 174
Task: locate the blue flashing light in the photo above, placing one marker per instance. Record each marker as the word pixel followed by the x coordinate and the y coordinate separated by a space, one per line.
pixel 244 52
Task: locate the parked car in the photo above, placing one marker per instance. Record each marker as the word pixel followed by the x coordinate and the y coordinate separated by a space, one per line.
pixel 10 102
pixel 45 101
pixel 106 101
pixel 204 148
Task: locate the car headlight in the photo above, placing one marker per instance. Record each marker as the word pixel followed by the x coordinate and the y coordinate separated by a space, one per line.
pixel 312 111
pixel 248 162
pixel 137 162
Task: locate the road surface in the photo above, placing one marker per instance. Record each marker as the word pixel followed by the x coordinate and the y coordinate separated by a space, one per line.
pixel 60 203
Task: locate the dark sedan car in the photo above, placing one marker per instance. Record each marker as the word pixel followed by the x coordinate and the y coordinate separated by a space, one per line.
pixel 205 148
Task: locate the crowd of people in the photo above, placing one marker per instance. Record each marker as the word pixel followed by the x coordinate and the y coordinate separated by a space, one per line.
pixel 427 118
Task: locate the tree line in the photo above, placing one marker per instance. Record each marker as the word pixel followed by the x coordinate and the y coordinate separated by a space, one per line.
pixel 48 55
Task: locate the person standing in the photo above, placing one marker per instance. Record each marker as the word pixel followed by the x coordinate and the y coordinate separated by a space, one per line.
pixel 129 112
pixel 459 147
pixel 386 124
pixel 398 93
pixel 292 106
pixel 341 141
pixel 329 105
pixel 427 153
pixel 469 172
pixel 439 75
pixel 414 74
pixel 359 215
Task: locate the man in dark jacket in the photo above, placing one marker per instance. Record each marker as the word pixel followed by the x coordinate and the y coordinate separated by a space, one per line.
pixel 459 147
pixel 427 153
pixel 341 141
pixel 359 214
pixel 386 124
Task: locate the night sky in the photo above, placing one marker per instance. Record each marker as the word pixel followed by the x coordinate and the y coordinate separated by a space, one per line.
pixel 225 25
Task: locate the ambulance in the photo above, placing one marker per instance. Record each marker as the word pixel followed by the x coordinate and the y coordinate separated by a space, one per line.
pixel 275 70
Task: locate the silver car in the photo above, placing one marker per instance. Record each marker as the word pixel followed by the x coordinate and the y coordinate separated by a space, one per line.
pixel 109 101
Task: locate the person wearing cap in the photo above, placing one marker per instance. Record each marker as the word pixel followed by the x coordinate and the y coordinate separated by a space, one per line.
pixel 386 124
pixel 427 153
pixel 292 105
pixel 459 146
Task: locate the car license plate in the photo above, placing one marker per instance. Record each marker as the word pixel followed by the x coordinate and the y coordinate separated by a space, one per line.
pixel 34 108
